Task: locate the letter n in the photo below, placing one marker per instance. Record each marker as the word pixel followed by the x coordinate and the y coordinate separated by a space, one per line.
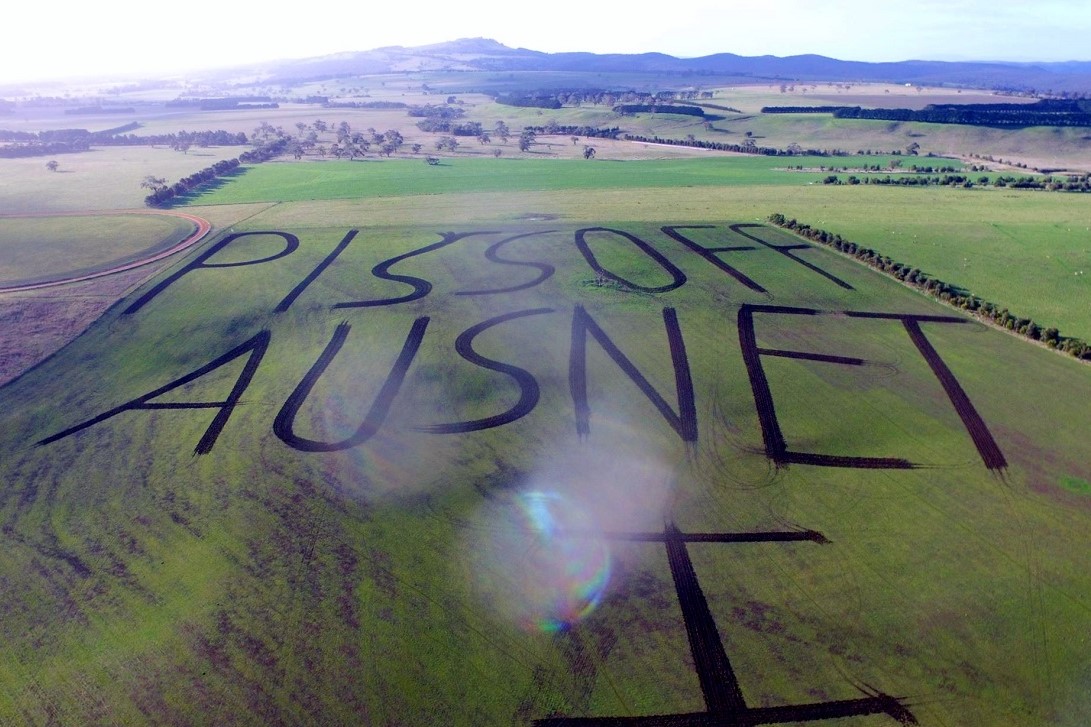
pixel 684 421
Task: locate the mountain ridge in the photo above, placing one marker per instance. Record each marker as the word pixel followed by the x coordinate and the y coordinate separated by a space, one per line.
pixel 486 54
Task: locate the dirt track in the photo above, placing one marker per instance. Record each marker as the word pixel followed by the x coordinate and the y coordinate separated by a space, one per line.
pixel 37 320
pixel 203 228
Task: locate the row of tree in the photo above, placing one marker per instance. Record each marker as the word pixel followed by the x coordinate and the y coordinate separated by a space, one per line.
pixel 801 109
pixel 161 193
pixel 530 102
pixel 365 105
pixel 37 148
pixel 682 109
pixel 55 141
pixel 556 98
pixel 177 139
pixel 749 146
pixel 66 141
pixel 436 119
pixel 946 292
pixel 99 110
pixel 967 115
pixel 593 132
pixel 225 103
pixel 1047 112
pixel 1068 183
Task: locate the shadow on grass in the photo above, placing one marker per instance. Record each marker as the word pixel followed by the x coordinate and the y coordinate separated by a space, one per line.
pixel 194 195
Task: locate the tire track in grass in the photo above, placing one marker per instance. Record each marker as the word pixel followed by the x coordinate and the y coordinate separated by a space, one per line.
pixel 203 228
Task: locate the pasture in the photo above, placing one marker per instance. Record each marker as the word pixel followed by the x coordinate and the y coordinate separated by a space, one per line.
pixel 36 249
pixel 537 440
pixel 1021 249
pixel 400 433
pixel 407 178
pixel 105 178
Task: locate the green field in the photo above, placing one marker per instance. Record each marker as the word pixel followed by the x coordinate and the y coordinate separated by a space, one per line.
pixel 34 249
pixel 362 180
pixel 356 180
pixel 1023 250
pixel 102 179
pixel 396 580
pixel 488 443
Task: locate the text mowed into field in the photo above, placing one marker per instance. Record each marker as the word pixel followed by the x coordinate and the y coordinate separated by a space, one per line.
pixel 653 473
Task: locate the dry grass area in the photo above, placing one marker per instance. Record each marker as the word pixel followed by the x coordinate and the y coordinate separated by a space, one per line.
pixel 35 325
pixel 875 95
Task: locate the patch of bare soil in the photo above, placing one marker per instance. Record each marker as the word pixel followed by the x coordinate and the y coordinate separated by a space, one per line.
pixel 35 325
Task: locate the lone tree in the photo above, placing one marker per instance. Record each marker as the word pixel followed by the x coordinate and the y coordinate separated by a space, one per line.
pixel 589 152
pixel 526 139
pixel 52 165
pixel 502 131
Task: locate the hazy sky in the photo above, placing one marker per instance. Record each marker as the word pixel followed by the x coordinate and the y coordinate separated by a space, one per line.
pixel 71 40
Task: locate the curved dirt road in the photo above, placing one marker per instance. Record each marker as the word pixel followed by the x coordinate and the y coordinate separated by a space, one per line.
pixel 203 228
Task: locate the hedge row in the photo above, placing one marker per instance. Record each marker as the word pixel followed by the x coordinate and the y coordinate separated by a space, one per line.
pixel 592 132
pixel 184 186
pixel 1065 183
pixel 743 148
pixel 938 289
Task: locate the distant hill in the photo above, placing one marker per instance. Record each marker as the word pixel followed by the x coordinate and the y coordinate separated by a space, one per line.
pixel 482 54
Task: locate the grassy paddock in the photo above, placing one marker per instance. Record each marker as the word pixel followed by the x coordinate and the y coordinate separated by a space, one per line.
pixel 379 583
pixel 33 249
pixel 390 178
pixel 106 178
pixel 1023 249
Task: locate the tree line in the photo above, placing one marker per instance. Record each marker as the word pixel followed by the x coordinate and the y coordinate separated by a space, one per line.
pixel 218 137
pixel 365 105
pixel 1067 183
pixel 967 115
pixel 1047 112
pixel 225 103
pixel 162 193
pixel 436 119
pixel 97 110
pixel 747 147
pixel 556 98
pixel 530 102
pixel 946 292
pixel 593 132
pixel 67 141
pixel 801 109
pixel 683 109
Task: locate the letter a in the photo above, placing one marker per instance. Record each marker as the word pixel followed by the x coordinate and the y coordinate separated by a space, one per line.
pixel 255 347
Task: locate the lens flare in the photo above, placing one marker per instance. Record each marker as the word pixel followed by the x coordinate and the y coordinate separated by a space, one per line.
pixel 567 567
pixel 549 569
